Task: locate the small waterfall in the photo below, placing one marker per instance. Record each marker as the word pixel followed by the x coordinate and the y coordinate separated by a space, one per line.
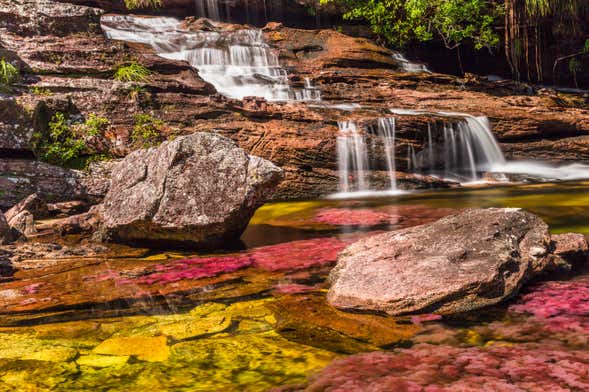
pixel 238 63
pixel 353 159
pixel 461 150
pixel 352 156
pixel 208 9
pixel 386 130
pixel 408 66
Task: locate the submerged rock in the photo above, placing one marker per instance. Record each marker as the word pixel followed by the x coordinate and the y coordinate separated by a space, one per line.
pixel 457 264
pixel 197 190
pixel 310 320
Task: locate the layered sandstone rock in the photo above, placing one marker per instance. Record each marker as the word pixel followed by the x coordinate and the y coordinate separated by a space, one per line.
pixel 76 78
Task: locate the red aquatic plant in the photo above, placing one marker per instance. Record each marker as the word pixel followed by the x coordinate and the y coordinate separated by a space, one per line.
pixel 431 368
pixel 298 254
pixel 354 217
pixel 196 268
pixel 560 306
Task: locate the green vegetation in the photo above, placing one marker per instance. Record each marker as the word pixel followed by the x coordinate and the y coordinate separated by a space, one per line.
pixel 132 72
pixel 65 144
pixel 524 25
pixel 62 146
pixel 147 131
pixel 95 125
pixel 8 73
pixel 40 91
pixel 133 4
pixel 453 21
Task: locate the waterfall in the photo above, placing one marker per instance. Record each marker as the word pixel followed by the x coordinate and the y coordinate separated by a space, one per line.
pixel 462 150
pixel 238 63
pixel 353 159
pixel 408 66
pixel 386 130
pixel 469 150
pixel 208 9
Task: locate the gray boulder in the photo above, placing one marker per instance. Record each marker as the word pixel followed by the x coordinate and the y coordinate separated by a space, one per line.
pixel 457 264
pixel 198 190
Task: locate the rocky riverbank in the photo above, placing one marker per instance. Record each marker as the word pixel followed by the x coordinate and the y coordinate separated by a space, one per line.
pixel 69 67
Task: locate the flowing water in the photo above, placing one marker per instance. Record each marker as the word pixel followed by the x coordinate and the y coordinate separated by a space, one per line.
pixel 467 150
pixel 256 318
pixel 237 63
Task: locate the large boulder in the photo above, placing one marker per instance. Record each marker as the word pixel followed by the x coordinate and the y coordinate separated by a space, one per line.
pixel 459 263
pixel 198 190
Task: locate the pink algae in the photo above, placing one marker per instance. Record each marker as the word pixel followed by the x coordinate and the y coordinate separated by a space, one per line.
pixel 298 254
pixel 354 217
pixel 192 269
pixel 560 306
pixel 289 256
pixel 429 368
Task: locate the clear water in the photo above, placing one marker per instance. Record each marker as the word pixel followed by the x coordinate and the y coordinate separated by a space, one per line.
pixel 255 319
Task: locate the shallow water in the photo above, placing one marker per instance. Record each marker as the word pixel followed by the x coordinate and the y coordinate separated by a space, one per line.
pixel 255 318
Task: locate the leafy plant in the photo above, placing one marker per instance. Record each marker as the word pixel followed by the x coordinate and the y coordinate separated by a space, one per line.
pixel 132 4
pixel 61 146
pixel 40 91
pixel 65 144
pixel 95 125
pixel 8 73
pixel 132 72
pixel 147 131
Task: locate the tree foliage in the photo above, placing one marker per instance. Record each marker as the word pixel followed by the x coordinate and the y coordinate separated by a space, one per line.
pixel 452 21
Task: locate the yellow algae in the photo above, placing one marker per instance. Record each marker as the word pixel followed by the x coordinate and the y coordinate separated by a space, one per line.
pixel 273 213
pixel 150 349
pixel 53 354
pixel 102 361
pixel 164 256
pixel 193 326
pixel 207 308
pixel 258 360
pixel 473 338
pixel 251 309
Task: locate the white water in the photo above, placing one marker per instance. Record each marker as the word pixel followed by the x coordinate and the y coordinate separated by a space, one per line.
pixel 354 162
pixel 409 66
pixel 238 63
pixel 352 156
pixel 208 9
pixel 470 149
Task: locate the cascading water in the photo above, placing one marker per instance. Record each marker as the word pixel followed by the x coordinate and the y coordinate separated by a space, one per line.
pixel 238 63
pixel 353 159
pixel 352 156
pixel 466 150
pixel 208 9
pixel 386 130
pixel 409 66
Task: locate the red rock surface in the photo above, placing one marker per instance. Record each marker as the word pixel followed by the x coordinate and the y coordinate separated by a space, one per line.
pixel 299 138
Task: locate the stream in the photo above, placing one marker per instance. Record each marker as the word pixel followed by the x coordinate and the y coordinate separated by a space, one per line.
pixel 255 318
